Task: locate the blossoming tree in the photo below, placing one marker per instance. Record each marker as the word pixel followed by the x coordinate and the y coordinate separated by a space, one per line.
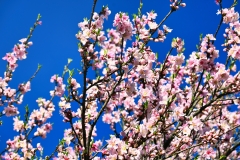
pixel 174 109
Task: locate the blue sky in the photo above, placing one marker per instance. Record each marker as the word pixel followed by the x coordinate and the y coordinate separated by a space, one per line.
pixel 54 42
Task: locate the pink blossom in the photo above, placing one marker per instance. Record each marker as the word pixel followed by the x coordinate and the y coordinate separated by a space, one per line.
pixel 143 130
pixel 39 147
pixel 25 87
pixel 105 13
pixel 75 84
pixel 152 15
pixel 235 52
pixel 166 29
pixel 146 93
pixel 10 57
pixel 179 59
pixel 168 109
pixel 107 118
pixel 123 25
pixel 40 132
pixel 152 25
pixel 20 51
pixel 183 4
pixel 10 111
pixel 210 153
pixel 217 1
pixel 18 125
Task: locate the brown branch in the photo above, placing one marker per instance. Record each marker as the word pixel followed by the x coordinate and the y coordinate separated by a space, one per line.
pixel 93 8
pixel 235 146
pixel 106 102
pixel 220 23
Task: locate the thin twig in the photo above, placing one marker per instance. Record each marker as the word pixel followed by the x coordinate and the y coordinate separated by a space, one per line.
pixel 220 23
pixel 201 143
pixel 93 8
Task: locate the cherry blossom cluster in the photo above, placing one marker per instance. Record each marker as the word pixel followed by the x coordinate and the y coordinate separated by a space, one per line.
pixel 232 34
pixel 19 53
pixel 8 96
pixel 35 123
pixel 123 25
pixel 176 109
pixel 175 4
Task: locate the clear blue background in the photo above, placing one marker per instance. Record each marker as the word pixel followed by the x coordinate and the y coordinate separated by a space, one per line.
pixel 54 42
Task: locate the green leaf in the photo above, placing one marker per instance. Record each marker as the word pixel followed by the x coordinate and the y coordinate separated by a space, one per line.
pixel 137 37
pixel 183 49
pixel 155 132
pixel 197 56
pixel 104 7
pixel 120 15
pixel 98 32
pixel 98 78
pixel 71 72
pixel 208 76
pixel 174 75
pixel 156 55
pixel 200 37
pixel 223 157
pixel 62 142
pixel 79 45
pixel 134 16
pixel 105 52
pixel 145 105
pixel 196 46
pixel 138 127
pixel 140 8
pixel 26 108
pixel 39 66
pixel 39 16
pixel 91 143
pixel 69 60
pixel 191 118
pixel 196 157
pixel 232 64
pixel 234 3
